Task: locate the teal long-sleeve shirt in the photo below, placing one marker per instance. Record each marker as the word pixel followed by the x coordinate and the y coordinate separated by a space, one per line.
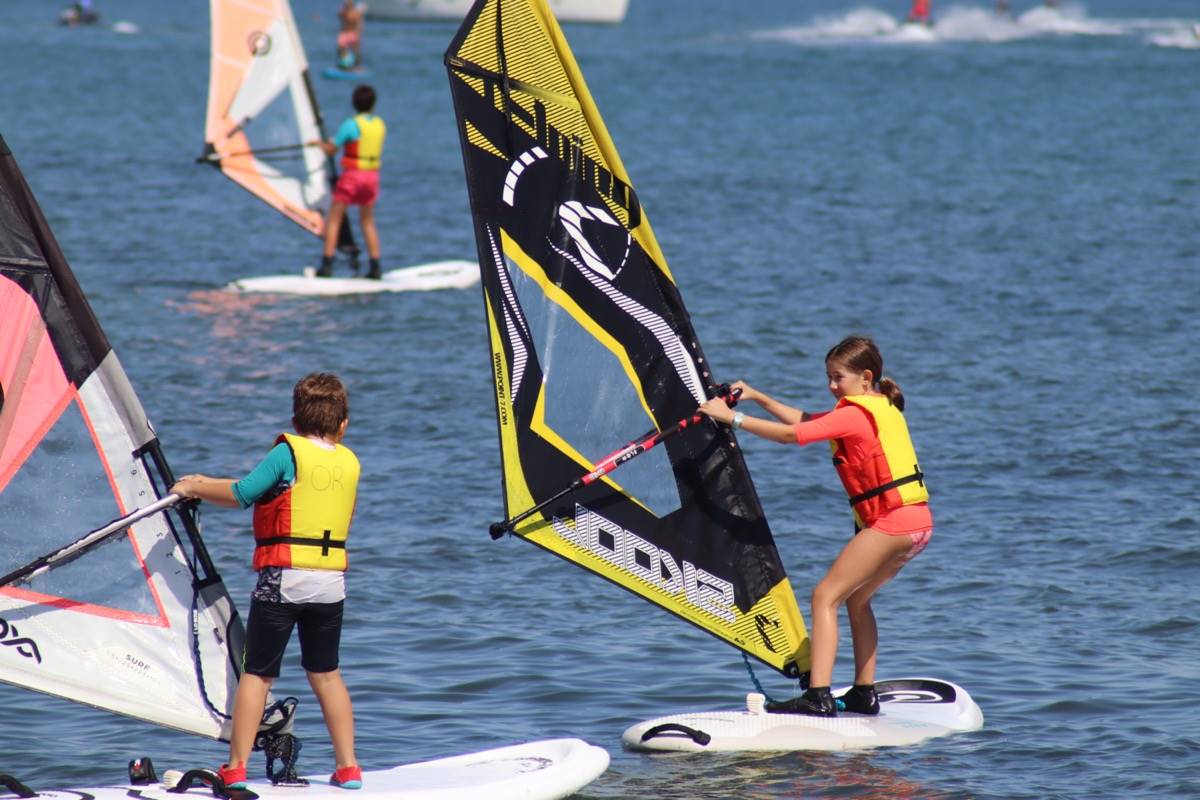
pixel 278 468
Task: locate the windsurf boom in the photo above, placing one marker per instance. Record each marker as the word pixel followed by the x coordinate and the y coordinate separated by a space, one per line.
pixel 591 345
pixel 131 617
pixel 262 113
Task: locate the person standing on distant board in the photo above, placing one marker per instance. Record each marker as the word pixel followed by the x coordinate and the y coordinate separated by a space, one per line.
pixel 349 39
pixel 919 12
pixel 362 137
pixel 303 493
pixel 874 458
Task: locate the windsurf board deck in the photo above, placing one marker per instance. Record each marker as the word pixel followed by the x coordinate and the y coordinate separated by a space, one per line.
pixel 421 278
pixel 541 770
pixel 336 74
pixel 911 710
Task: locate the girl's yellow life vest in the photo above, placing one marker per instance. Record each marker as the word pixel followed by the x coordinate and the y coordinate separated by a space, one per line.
pixel 306 525
pixel 889 475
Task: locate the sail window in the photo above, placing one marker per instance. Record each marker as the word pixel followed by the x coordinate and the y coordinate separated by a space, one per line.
pixel 589 402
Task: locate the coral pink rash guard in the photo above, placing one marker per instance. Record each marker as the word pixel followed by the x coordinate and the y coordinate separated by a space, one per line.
pixel 852 425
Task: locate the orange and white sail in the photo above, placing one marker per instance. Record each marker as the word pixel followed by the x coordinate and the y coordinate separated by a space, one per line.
pixel 262 112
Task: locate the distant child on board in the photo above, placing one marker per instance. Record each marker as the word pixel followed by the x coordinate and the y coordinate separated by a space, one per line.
pixel 349 38
pixel 874 458
pixel 303 494
pixel 361 138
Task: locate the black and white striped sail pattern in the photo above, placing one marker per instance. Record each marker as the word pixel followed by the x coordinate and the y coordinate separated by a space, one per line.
pixel 136 622
pixel 592 348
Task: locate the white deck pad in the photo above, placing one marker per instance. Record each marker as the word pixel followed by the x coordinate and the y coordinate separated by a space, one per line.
pixel 542 770
pixel 911 710
pixel 421 278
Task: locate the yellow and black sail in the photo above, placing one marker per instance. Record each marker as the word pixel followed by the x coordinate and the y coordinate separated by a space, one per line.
pixel 591 347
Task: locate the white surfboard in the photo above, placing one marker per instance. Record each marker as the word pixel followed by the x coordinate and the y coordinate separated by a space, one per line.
pixel 542 770
pixel 421 278
pixel 911 710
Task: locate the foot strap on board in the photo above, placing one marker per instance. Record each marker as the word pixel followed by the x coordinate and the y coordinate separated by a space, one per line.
pixel 276 740
pixel 286 748
pixel 141 772
pixel 15 786
pixel 206 777
pixel 698 736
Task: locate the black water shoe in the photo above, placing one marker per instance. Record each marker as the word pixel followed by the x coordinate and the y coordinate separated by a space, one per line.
pixel 816 702
pixel 861 699
pixel 326 269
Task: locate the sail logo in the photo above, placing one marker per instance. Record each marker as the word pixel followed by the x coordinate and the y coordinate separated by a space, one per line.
pixel 760 624
pixel 569 149
pixel 573 215
pixel 632 554
pixel 259 42
pixel 501 397
pixel 10 637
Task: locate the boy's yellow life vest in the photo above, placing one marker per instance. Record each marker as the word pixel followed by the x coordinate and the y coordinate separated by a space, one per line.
pixel 889 476
pixel 306 525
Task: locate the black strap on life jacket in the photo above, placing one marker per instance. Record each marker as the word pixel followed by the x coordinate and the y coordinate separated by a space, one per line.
pixel 916 477
pixel 325 542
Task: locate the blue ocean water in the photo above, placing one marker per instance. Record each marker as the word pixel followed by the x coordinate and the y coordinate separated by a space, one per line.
pixel 1010 207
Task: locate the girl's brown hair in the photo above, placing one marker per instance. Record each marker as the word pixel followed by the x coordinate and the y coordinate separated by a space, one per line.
pixel 319 405
pixel 860 354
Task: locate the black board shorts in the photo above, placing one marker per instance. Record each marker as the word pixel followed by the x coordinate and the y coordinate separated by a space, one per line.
pixel 270 627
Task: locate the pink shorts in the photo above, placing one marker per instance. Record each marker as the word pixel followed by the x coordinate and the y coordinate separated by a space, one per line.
pixel 357 187
pixel 347 39
pixel 919 540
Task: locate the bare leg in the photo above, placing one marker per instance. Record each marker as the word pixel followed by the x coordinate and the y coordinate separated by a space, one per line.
pixel 866 558
pixel 333 225
pixel 862 618
pixel 367 217
pixel 334 698
pixel 248 706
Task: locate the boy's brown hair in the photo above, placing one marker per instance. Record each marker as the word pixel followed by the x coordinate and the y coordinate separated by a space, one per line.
pixel 363 98
pixel 319 405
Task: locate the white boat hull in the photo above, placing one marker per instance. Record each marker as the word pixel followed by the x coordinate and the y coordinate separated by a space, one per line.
pixel 601 11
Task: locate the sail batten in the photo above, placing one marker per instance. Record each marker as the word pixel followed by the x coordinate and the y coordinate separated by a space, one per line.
pixel 591 346
pixel 118 620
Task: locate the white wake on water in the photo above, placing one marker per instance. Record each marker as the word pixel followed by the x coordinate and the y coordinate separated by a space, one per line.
pixel 966 23
pixel 1183 37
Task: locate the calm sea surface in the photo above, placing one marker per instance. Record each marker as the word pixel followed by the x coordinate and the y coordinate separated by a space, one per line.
pixel 1012 208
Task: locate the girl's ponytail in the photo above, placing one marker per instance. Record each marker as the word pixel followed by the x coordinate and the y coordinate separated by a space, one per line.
pixel 892 390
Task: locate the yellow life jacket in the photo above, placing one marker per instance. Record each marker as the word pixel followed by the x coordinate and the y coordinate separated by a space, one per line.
pixel 366 151
pixel 888 476
pixel 306 525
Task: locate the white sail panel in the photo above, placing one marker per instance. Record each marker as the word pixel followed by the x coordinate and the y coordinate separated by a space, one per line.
pixel 138 624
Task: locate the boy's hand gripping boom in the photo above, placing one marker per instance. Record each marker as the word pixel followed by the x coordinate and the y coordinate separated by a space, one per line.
pixel 612 461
